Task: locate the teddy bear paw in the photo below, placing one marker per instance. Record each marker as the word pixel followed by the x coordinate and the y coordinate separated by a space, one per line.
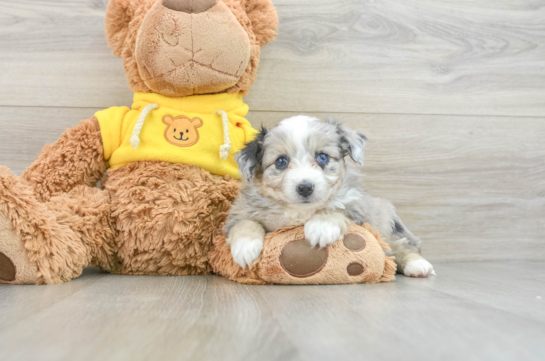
pixel 15 267
pixel 300 259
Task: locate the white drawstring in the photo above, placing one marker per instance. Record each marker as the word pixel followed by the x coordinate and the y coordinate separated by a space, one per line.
pixel 226 147
pixel 135 139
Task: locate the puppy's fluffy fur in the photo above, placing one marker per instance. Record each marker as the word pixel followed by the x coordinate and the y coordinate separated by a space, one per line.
pixel 297 174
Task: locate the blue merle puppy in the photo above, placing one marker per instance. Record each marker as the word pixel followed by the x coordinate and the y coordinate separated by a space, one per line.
pixel 297 174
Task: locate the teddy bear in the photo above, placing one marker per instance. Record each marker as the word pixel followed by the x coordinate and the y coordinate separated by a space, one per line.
pixel 165 165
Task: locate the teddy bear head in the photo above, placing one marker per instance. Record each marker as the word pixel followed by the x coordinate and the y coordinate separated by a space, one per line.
pixel 188 47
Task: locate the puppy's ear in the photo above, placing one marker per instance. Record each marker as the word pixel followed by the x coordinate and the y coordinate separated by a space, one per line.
pixel 251 156
pixel 350 141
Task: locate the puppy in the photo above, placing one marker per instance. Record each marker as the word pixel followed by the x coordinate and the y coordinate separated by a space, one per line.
pixel 297 174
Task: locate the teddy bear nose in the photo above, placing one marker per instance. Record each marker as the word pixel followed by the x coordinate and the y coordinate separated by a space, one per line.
pixel 189 6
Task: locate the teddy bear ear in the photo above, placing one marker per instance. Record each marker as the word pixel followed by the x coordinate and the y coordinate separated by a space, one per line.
pixel 167 119
pixel 264 20
pixel 118 16
pixel 197 122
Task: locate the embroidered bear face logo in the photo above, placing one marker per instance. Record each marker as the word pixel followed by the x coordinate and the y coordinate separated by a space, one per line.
pixel 182 131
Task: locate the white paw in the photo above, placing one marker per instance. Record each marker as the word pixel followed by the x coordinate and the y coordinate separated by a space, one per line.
pixel 321 233
pixel 418 268
pixel 245 251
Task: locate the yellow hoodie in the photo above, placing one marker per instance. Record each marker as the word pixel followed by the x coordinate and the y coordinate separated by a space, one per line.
pixel 203 130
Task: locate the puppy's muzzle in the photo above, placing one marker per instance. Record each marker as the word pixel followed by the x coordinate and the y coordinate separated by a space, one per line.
pixel 305 189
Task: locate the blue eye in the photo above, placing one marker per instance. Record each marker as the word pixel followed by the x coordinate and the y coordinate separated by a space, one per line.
pixel 322 158
pixel 281 162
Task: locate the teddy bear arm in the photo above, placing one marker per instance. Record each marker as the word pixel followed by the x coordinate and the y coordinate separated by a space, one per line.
pixel 77 158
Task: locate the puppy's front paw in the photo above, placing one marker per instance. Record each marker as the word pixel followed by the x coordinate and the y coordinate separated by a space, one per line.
pixel 245 251
pixel 418 268
pixel 321 233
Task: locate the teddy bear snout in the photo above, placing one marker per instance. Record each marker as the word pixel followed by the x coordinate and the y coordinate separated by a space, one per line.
pixel 189 6
pixel 181 53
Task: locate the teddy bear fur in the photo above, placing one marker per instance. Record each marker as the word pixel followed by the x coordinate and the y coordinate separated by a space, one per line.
pixel 148 217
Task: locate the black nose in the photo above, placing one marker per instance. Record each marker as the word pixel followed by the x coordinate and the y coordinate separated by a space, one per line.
pixel 305 189
pixel 189 6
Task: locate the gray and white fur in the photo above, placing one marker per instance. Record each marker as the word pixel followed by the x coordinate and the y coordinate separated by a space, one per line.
pixel 298 174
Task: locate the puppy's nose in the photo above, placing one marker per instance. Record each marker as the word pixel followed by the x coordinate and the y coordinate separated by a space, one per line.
pixel 305 189
pixel 189 6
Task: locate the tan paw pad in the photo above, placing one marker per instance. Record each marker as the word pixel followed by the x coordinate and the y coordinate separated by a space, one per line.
pixel 15 267
pixel 354 242
pixel 7 269
pixel 301 260
pixel 355 269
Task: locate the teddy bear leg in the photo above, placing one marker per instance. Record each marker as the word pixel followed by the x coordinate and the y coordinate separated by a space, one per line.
pixel 42 243
pixel 166 215
pixel 87 212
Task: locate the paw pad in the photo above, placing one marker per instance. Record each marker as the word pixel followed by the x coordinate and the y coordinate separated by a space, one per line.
pixel 301 260
pixel 7 269
pixel 355 269
pixel 354 242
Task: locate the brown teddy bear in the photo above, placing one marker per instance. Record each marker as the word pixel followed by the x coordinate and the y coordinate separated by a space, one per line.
pixel 171 174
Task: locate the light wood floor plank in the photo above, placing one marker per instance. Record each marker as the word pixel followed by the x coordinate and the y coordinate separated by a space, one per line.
pixel 210 318
pixel 503 286
pixel 432 57
pixel 152 318
pixel 415 322
pixel 29 301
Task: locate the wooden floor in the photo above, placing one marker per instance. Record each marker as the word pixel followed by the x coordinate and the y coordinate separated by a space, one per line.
pixel 470 311
pixel 450 93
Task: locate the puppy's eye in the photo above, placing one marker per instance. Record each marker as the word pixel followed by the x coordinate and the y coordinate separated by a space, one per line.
pixel 281 162
pixel 322 158
pixel 187 130
pixel 174 130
